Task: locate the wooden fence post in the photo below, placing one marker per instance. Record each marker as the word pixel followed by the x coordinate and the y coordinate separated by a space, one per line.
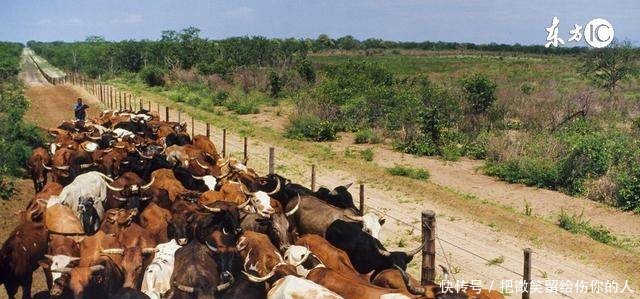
pixel 149 106
pixel 158 106
pixel 179 116
pixel 224 142
pixel 527 274
pixel 313 177
pixel 208 131
pixel 246 154
pixel 271 160
pixel 428 274
pixel 361 212
pixel 166 113
pixel 141 104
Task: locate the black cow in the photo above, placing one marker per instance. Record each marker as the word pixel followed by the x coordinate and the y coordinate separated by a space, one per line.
pixel 366 252
pixel 195 273
pixel 188 180
pixel 338 197
pixel 129 293
pixel 139 128
pixel 88 215
pixel 177 139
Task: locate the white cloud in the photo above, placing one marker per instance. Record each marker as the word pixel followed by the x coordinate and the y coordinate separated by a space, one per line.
pixel 128 18
pixel 240 12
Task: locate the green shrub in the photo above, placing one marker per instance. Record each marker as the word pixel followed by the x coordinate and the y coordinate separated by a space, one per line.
pixel 481 92
pixel 526 88
pixel 422 147
pixel 311 128
pixel 367 154
pixel 414 173
pixel 152 76
pixel 451 151
pixel 306 71
pixel 367 136
pixel 275 84
pixel 627 181
pixel 7 188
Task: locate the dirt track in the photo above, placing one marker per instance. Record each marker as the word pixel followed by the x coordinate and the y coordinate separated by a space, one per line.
pixel 465 242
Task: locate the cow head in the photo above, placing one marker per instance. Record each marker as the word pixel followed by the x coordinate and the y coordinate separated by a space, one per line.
pixel 371 223
pixel 78 278
pixel 88 214
pixel 58 262
pixel 398 259
pixel 132 194
pixel 116 219
pixel 180 226
pixel 132 262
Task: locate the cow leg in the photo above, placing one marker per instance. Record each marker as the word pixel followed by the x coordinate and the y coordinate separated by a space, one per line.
pixel 26 287
pixel 48 278
pixel 11 290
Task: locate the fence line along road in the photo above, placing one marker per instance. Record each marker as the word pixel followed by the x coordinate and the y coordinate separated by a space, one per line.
pixel 107 95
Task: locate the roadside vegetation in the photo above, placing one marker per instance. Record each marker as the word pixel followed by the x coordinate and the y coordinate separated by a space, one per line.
pixel 537 116
pixel 16 137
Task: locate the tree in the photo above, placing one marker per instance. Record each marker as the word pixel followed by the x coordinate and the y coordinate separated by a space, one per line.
pixel 607 67
pixel 481 93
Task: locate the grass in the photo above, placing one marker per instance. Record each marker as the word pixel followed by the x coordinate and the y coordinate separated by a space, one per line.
pixel 496 261
pixel 578 225
pixel 414 173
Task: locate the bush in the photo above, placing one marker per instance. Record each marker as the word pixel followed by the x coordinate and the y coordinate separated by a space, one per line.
pixel 481 93
pixel 306 71
pixel 153 76
pixel 414 173
pixel 367 136
pixel 311 128
pixel 420 147
pixel 367 154
pixel 275 84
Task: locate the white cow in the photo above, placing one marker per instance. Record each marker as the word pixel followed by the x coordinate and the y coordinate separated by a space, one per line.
pixel 122 133
pixel 157 276
pixel 291 287
pixel 93 185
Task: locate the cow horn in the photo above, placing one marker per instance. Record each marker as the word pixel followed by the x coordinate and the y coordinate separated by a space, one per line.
pixel 244 190
pixel 107 150
pixel 293 211
pixel 145 198
pixel 222 177
pixel 185 289
pixel 197 177
pixel 95 138
pixel 225 285
pixel 276 190
pixel 241 244
pixel 120 198
pixel 149 250
pixel 61 270
pixel 65 167
pixel 147 186
pixel 211 247
pixel 201 165
pixel 105 177
pixel 384 252
pixel 48 256
pixel 225 163
pixel 407 281
pixel 164 147
pixel 143 155
pixel 348 185
pixel 415 251
pixel 304 257
pixel 96 268
pixel 214 210
pixel 116 189
pixel 112 251
pixel 354 217
pixel 259 279
pixel 85 166
pixel 46 167
pixel 244 204
pixel 73 259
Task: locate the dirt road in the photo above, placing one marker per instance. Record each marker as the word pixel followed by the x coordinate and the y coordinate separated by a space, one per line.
pixel 474 250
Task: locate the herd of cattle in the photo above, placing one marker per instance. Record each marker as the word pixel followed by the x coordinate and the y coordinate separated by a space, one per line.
pixel 128 206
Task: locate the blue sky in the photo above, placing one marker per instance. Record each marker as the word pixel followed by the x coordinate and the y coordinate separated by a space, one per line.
pixel 500 21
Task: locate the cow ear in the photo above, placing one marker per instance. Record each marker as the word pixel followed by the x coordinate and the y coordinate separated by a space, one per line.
pixel 44 263
pixel 382 221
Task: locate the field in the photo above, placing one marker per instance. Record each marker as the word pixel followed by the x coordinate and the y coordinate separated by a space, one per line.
pixel 483 223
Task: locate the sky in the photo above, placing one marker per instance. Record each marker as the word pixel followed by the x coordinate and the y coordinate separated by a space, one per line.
pixel 477 21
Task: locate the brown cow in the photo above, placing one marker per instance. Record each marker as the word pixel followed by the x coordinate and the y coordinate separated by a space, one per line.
pixel 165 179
pixel 259 255
pixel 206 145
pixel 127 191
pixel 156 220
pixel 347 287
pixel 331 256
pixel 63 252
pixel 60 165
pixel 36 167
pixel 61 220
pixel 97 274
pixel 19 257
